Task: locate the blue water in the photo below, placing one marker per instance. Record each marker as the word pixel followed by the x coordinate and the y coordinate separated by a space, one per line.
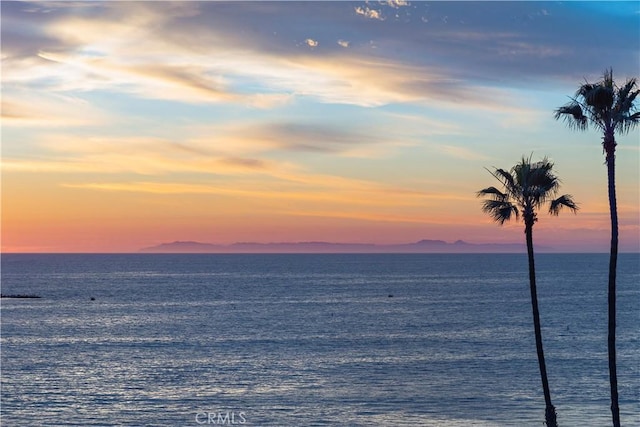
pixel 304 340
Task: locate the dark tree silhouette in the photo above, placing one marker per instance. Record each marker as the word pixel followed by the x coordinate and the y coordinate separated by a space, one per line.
pixel 609 109
pixel 527 187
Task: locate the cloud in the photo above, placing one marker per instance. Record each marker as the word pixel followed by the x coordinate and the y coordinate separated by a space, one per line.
pixel 396 3
pixel 300 194
pixel 163 188
pixel 369 13
pixel 118 50
pixel 31 110
pixel 374 82
pixel 67 154
pixel 169 29
pixel 128 48
pixel 150 80
pixel 128 60
pixel 310 137
pixel 291 137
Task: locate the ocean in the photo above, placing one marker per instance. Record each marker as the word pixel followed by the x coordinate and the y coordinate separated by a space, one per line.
pixel 312 340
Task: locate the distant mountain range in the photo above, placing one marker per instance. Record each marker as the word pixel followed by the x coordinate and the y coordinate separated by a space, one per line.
pixel 423 246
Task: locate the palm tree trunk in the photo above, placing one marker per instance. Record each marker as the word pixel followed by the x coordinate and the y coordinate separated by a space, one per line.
pixel 610 146
pixel 550 410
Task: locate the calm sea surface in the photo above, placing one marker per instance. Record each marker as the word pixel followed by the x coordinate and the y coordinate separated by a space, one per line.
pixel 312 340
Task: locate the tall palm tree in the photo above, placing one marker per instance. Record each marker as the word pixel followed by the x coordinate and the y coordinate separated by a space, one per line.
pixel 610 109
pixel 527 187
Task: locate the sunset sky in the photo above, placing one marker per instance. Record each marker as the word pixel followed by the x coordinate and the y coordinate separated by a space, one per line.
pixel 129 124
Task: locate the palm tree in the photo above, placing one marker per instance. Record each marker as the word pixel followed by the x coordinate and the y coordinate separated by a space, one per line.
pixel 609 109
pixel 527 187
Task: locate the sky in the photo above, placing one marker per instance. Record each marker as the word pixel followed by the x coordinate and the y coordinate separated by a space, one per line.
pixel 130 124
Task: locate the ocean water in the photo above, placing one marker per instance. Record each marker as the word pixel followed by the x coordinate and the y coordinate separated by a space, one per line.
pixel 312 340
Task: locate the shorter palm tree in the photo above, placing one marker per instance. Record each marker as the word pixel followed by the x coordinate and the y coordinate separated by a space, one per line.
pixel 527 187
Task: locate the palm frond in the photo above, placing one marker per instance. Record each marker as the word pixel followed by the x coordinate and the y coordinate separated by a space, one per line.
pixel 629 123
pixel 491 191
pixel 631 98
pixel 564 201
pixel 625 96
pixel 572 115
pixel 625 116
pixel 584 89
pixel 500 211
pixel 507 181
pixel 543 179
pixel 498 204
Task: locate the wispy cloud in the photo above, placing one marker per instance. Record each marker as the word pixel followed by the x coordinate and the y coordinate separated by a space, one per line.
pixel 313 194
pixel 144 156
pixel 29 110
